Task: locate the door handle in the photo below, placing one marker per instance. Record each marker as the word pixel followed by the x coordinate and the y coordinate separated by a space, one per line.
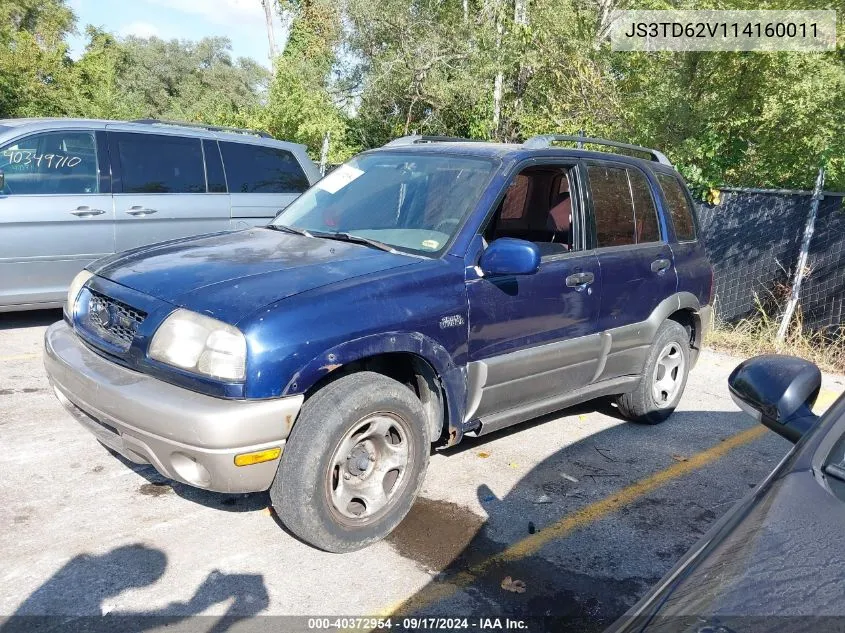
pixel 660 265
pixel 86 212
pixel 139 211
pixel 579 281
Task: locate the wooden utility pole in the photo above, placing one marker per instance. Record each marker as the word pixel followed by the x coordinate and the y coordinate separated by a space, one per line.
pixel 271 36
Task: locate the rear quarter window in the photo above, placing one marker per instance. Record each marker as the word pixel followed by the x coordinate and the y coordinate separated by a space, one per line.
pixel 261 169
pixel 679 207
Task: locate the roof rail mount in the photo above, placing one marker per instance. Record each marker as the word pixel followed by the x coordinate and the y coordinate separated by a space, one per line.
pixel 415 139
pixel 545 140
pixel 203 126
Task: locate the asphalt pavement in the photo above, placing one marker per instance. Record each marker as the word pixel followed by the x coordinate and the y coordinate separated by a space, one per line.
pixel 575 514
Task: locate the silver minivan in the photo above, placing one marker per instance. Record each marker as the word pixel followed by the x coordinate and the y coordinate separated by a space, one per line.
pixel 75 190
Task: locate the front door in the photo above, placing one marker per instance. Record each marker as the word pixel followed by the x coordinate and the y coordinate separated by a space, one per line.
pixel 56 214
pixel 161 191
pixel 536 336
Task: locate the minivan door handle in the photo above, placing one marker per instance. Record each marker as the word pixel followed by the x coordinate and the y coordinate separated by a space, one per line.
pixel 86 212
pixel 140 212
pixel 579 281
pixel 660 265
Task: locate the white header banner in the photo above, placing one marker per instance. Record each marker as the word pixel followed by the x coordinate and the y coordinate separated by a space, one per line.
pixel 802 31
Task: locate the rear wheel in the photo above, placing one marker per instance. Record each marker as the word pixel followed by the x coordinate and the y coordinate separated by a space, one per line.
pixel 353 464
pixel 663 379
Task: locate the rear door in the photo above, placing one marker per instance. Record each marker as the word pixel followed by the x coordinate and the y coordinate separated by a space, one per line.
pixel 262 180
pixel 160 189
pixel 636 262
pixel 56 213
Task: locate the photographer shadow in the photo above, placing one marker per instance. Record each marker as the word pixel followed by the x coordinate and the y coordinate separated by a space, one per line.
pixel 75 597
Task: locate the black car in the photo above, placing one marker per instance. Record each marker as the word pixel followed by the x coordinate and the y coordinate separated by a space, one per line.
pixel 776 562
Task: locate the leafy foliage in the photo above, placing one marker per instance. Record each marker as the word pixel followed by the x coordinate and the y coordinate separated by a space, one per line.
pixel 366 71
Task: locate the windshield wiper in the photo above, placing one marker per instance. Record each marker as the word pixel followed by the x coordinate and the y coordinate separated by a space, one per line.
pixel 356 239
pixel 288 229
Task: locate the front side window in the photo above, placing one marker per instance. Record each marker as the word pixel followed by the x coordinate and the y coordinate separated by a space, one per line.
pixel 260 169
pixel 679 207
pixel 537 207
pixel 409 201
pixel 158 163
pixel 51 163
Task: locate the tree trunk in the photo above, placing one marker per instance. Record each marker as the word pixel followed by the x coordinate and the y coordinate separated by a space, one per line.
pixel 271 36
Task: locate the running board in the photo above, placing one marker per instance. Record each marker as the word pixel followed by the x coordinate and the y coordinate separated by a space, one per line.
pixel 515 415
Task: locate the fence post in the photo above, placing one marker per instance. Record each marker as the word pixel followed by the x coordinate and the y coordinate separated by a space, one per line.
pixel 801 265
pixel 324 154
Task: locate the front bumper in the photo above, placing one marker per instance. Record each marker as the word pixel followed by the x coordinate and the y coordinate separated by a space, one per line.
pixel 186 436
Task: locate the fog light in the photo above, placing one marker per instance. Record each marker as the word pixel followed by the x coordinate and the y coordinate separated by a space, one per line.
pixel 248 459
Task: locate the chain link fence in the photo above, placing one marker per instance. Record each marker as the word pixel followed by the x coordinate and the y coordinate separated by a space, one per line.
pixel 753 239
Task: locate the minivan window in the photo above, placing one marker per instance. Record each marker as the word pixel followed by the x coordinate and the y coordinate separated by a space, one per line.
pixel 679 207
pixel 213 167
pixel 261 169
pixel 612 205
pixel 159 163
pixel 51 163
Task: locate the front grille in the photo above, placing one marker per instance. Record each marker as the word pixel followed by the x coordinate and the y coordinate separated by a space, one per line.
pixel 112 320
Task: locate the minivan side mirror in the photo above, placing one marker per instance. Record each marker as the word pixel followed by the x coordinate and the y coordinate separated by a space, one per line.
pixel 510 256
pixel 778 391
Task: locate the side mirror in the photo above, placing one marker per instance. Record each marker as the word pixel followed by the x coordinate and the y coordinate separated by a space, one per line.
pixel 778 391
pixel 510 256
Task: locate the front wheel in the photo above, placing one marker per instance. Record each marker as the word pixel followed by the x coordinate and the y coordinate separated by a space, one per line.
pixel 663 379
pixel 353 464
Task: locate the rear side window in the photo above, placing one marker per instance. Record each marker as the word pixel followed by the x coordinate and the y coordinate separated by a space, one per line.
pixel 612 205
pixel 679 207
pixel 51 163
pixel 260 169
pixel 645 215
pixel 157 163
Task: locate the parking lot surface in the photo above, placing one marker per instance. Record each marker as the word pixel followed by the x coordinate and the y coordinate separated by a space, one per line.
pixel 573 514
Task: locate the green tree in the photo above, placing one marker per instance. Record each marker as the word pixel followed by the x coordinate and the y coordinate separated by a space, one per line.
pixel 35 76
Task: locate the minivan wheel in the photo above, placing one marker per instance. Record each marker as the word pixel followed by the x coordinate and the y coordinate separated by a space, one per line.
pixel 353 464
pixel 663 378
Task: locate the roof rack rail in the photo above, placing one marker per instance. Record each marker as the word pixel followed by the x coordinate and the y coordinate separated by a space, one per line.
pixel 546 140
pixel 415 139
pixel 203 126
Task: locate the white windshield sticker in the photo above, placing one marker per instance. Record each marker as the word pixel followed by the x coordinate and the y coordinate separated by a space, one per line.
pixel 339 178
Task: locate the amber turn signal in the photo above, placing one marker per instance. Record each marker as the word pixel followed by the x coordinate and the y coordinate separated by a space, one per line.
pixel 256 457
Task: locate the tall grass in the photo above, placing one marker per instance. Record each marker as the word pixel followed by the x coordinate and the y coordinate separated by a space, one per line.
pixel 758 335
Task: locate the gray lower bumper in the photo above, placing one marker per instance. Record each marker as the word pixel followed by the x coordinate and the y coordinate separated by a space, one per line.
pixel 186 436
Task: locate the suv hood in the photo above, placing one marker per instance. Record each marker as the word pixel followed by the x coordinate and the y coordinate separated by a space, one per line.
pixel 230 275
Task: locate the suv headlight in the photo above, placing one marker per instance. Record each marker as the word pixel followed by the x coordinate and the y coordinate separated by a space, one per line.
pixel 200 344
pixel 76 288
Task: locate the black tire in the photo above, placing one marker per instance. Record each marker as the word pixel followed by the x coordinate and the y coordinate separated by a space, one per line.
pixel 308 477
pixel 641 405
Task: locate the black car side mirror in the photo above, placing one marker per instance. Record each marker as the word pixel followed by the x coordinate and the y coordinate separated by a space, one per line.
pixel 510 256
pixel 778 391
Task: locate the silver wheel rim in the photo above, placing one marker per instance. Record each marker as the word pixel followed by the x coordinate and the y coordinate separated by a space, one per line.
pixel 368 468
pixel 668 375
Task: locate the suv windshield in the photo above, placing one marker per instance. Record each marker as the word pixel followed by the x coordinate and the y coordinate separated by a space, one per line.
pixel 411 202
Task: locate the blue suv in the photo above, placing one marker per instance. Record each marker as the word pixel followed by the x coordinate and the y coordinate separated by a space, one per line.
pixel 423 291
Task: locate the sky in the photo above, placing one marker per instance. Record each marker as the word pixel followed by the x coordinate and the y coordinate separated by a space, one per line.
pixel 242 21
